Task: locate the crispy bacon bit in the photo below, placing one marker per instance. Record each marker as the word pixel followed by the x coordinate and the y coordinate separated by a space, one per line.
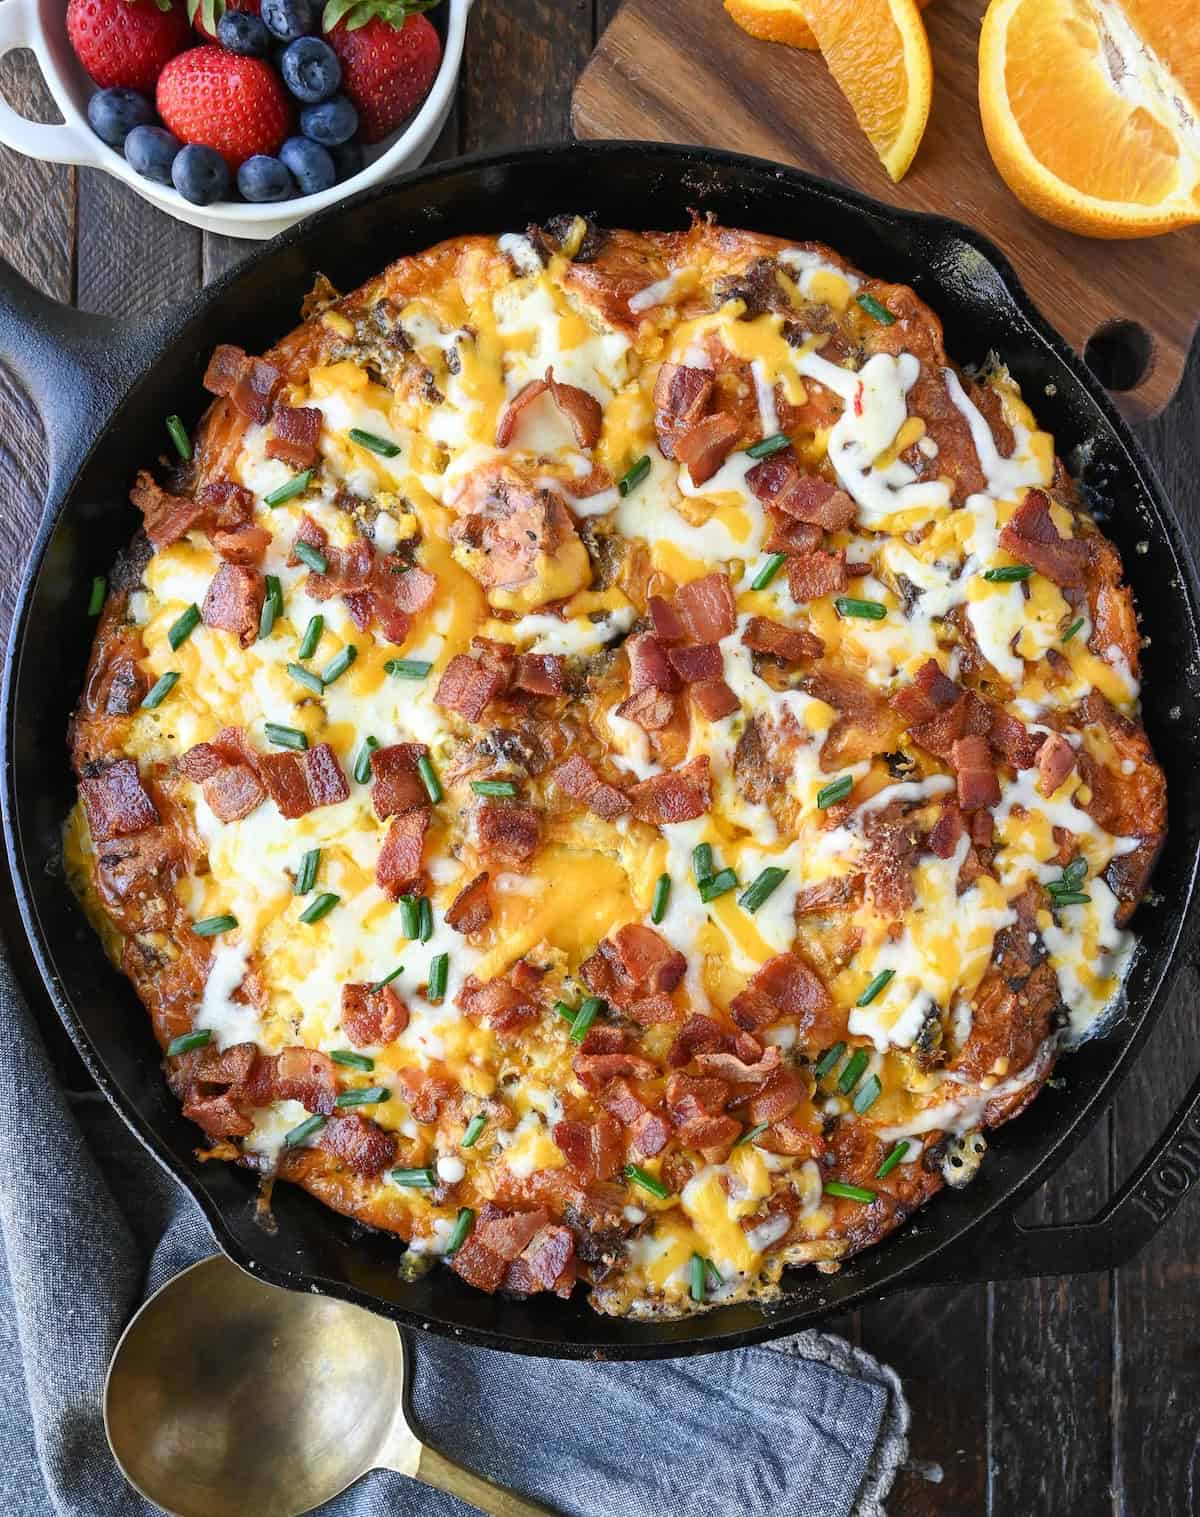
pixel 396 785
pixel 773 476
pixel 982 829
pixel 1032 538
pixel 541 673
pixel 167 517
pixel 727 1064
pixel 699 1034
pixel 594 1150
pixel 358 1142
pixel 968 717
pixel 649 1135
pixel 223 369
pixel 714 699
pixel 398 868
pixel 679 795
pixel 349 571
pixel 649 664
pixel 471 908
pixel 405 586
pixel 811 575
pixel 605 1039
pixel 1013 741
pixel 595 1070
pixel 705 446
pixel 226 505
pixel 781 483
pixel 296 432
pixel 681 396
pixel 521 1251
pixel 701 661
pixel 832 892
pixel 115 802
pixel 300 782
pixel 200 762
pixel 947 830
pixel 467 687
pixel 371 1018
pixel 505 526
pixel 507 834
pixel 707 608
pixel 218 1115
pixel 233 792
pixel 234 602
pixel 977 782
pixel 1055 761
pixel 653 1011
pixel 255 390
pixel 931 691
pixel 620 1100
pixel 582 410
pixel 426 1094
pixel 546 1263
pixel 788 535
pixel 511 414
pixel 791 645
pixel 690 1096
pixel 501 1005
pixel 778 1096
pixel 578 779
pixel 313 535
pixel 635 962
pixel 651 709
pixel 294 1074
pixel 244 545
pixel 666 621
pixel 784 987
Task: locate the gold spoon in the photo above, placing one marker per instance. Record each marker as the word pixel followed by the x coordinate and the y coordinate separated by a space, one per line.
pixel 230 1398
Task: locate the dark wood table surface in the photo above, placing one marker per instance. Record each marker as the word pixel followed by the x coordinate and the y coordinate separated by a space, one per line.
pixel 1071 1397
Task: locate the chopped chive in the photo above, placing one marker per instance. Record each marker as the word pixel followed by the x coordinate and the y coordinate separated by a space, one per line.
pixel 410 916
pixel 892 1159
pixel 433 786
pixel 702 862
pixel 849 1192
pixel 493 787
pixel 320 907
pixel 160 689
pixel 768 571
pixel 662 895
pixel 178 434
pixel 867 1094
pixel 285 737
pixel 439 968
pixel 369 1095
pixel 474 1129
pixel 312 636
pixel 415 1179
pixel 387 980
pixel 1072 630
pixel 852 1073
pixel 633 478
pixel 353 1060
pixel 211 927
pixel 699 1278
pixel 882 979
pixel 876 309
pixel 568 1013
pixel 751 1133
pixel 362 764
pixel 311 556
pixel 773 444
pixel 828 1059
pixel 426 912
pixel 587 1014
pixel 636 1175
pixel 868 610
pixel 272 607
pixel 295 486
pixel 307 678
pixel 408 668
pixel 186 1041
pixel 338 664
pixel 461 1230
pixel 758 890
pixel 306 875
pixel 375 443
pixel 836 790
pixel 715 1277
pixel 96 598
pixel 1007 574
pixel 1076 872
pixel 184 625
pixel 1070 898
pixel 721 883
pixel 301 1134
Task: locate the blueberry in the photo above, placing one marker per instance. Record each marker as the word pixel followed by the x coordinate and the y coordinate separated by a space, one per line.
pixel 331 123
pixel 200 174
pixel 348 159
pixel 113 114
pixel 261 178
pixel 289 19
pixel 151 151
pixel 238 32
pixel 310 69
pixel 309 165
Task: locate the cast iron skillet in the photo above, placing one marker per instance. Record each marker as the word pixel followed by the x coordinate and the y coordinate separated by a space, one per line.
pixel 104 388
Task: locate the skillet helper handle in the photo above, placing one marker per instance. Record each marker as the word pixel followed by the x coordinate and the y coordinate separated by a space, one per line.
pixel 435 1469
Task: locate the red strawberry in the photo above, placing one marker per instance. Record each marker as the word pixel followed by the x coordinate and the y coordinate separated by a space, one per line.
pixel 390 58
pixel 236 105
pixel 204 14
pixel 125 43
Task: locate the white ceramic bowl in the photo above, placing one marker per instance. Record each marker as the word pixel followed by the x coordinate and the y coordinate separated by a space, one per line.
pixel 41 25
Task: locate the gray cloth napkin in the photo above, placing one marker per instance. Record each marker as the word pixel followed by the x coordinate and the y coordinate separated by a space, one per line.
pixel 90 1225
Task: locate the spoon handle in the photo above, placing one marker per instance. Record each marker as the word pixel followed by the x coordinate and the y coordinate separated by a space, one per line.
pixel 436 1469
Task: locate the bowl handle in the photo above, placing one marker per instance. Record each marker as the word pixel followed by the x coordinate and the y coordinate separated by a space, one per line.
pixel 67 142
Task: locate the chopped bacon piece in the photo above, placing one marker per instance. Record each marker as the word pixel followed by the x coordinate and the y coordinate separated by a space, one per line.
pixel 359 1142
pixel 1013 741
pixel 604 1039
pixel 690 1096
pixel 467 687
pixel 968 717
pixel 223 369
pixel 595 1070
pixel 931 691
pixel 642 961
pixel 947 830
pixel 788 535
pixel 681 396
pixel 728 1064
pixel 296 431
pixel 226 505
pixel 167 517
pixel 244 545
pixel 710 1135
pixel 372 1017
pixel 1032 538
pixel 349 571
pixel 653 1010
pixel 649 1135
pixel 832 892
pixel 511 414
pixel 594 1150
pixel 300 782
pixel 1054 762
pixel 707 608
pixel 814 500
pixel 541 673
pixel 700 661
pixel 479 1266
pixel 255 389
pixel 706 444
pixel 666 621
pixel 115 802
pixel 396 785
pixel 792 645
pixel 578 779
pixel 547 1262
pixel 398 868
pixel 200 762
pixel 651 709
pixel 784 987
pixel 234 602
pixel 778 1095
pixel 233 792
pixel 699 1034
pixel 581 409
pixel 506 528
pixel 811 575
pixel 679 795
pixel 623 1102
pixel 714 699
pixel 294 1074
pixel 406 586
pixel 773 476
pixel 471 908
pixel 982 829
pixel 649 664
pixel 977 782
pixel 425 1093
pixel 501 1004
pixel 508 834
pixel 313 535
pixel 218 1115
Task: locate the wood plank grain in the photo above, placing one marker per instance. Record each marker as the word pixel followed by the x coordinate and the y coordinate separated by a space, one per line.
pixel 521 60
pixel 37 207
pixel 132 260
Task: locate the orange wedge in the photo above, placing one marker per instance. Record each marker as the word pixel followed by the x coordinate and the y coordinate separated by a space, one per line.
pixel 1090 110
pixel 778 20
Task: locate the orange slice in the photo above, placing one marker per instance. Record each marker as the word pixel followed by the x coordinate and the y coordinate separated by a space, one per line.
pixel 1090 110
pixel 778 20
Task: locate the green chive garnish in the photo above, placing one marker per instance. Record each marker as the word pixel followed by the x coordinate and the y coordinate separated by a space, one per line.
pixel 96 598
pixel 721 883
pixel 311 556
pixel 426 910
pixel 636 1175
pixel 587 1014
pixel 339 663
pixel 160 689
pixel 836 790
pixel 715 1277
pixel 285 737
pixel 751 1133
pixel 362 764
pixel 702 862
pixel 184 625
pixel 301 1134
pixel 320 907
pixel 565 1011
pixel 306 875
pixel 874 308
pixel 892 1159
pixel 773 444
pixel 387 980
pixel 493 787
pixel 867 1094
pixel 353 1060
pixel 852 1073
pixel 415 1179
pixel 1066 891
pixel 849 1192
pixel 178 433
pixel 868 610
pixel 370 1095
pixel 882 979
pixel 699 1278
pixel 376 444
pixel 307 678
pixel 210 927
pixel 433 786
pixel 1007 574
pixel 272 606
pixel 1070 898
pixel 474 1128
pixel 630 481
pixel 662 895
pixel 312 636
pixel 186 1041
pixel 439 968
pixel 828 1059
pixel 295 486
pixel 1072 630
pixel 408 668
pixel 758 890
pixel 1076 872
pixel 461 1230
pixel 768 571
pixel 410 916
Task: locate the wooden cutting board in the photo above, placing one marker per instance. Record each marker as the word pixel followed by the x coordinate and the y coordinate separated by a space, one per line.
pixel 681 71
